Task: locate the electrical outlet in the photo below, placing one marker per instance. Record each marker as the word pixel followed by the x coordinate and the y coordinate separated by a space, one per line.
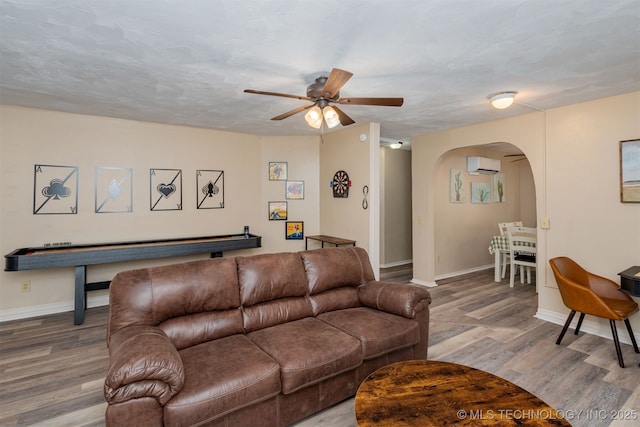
pixel 26 286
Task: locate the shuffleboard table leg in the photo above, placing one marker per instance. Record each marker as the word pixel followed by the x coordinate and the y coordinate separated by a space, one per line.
pixel 80 295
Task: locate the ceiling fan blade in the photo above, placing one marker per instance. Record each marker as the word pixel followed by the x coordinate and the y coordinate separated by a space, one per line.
pixel 344 119
pixel 292 112
pixel 336 80
pixel 514 155
pixel 285 95
pixel 384 102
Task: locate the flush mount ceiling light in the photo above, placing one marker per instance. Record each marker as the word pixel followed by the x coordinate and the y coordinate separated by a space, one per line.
pixel 396 145
pixel 502 100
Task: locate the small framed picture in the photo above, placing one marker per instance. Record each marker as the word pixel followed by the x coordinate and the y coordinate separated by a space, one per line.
pixel 480 192
pixel 294 190
pixel 277 211
pixel 277 171
pixel 294 230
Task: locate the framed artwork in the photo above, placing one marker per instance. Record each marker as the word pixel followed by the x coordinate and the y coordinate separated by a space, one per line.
pixel 294 230
pixel 480 192
pixel 277 211
pixel 498 188
pixel 114 190
pixel 55 189
pixel 294 190
pixel 277 171
pixel 165 193
pixel 210 189
pixel 456 183
pixel 630 171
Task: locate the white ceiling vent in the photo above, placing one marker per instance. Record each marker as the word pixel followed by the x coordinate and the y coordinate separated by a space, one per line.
pixel 482 165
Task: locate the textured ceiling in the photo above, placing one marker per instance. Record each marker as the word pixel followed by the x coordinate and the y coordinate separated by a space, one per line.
pixel 188 62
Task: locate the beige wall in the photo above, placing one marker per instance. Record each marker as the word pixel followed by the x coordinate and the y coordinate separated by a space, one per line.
pixel 574 157
pixel 395 209
pixel 573 153
pixel 301 155
pixel 464 229
pixel 29 137
pixel 345 217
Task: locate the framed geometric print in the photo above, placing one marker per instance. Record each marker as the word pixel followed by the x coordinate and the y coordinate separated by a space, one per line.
pixel 114 190
pixel 166 189
pixel 55 190
pixel 210 188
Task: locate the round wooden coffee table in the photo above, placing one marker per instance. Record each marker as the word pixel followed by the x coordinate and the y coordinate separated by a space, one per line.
pixel 431 393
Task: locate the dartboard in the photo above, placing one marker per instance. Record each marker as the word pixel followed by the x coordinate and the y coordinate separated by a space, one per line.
pixel 340 184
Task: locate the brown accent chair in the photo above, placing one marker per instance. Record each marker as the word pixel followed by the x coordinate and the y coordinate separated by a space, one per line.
pixel 588 293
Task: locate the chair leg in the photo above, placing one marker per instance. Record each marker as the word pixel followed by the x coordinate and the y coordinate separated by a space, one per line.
pixel 614 332
pixel 566 326
pixel 504 264
pixel 633 338
pixel 512 274
pixel 579 324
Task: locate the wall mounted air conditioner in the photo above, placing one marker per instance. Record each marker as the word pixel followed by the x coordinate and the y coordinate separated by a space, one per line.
pixel 482 165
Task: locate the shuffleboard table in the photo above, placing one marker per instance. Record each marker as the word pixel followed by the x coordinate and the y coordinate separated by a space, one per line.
pixel 81 256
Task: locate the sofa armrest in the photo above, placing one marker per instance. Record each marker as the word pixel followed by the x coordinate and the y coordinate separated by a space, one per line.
pixel 402 299
pixel 143 363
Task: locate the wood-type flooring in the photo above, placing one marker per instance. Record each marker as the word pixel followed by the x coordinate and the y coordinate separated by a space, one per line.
pixel 52 371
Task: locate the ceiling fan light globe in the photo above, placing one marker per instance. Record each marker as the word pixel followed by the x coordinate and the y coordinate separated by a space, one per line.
pixel 314 117
pixel 331 117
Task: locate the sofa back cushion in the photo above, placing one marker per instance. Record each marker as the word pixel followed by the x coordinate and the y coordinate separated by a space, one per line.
pixel 273 290
pixel 192 302
pixel 333 275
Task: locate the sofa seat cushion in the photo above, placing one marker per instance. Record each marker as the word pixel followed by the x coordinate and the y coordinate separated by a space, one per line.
pixel 378 331
pixel 221 376
pixel 308 351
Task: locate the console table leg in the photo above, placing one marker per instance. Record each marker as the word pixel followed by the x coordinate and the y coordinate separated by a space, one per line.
pixel 80 295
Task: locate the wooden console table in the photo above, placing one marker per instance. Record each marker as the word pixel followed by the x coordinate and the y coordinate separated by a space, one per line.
pixel 431 393
pixel 338 241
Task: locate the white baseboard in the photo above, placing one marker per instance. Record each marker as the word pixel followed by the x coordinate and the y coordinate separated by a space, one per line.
pixel 396 263
pixel 590 325
pixel 453 274
pixel 423 283
pixel 460 273
pixel 53 308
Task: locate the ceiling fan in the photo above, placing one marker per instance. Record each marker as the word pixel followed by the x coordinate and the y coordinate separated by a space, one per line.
pixel 521 157
pixel 322 93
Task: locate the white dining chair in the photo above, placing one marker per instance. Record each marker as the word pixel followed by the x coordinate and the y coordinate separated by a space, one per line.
pixel 505 254
pixel 522 246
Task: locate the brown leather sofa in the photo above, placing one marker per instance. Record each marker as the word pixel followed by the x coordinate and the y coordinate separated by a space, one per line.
pixel 262 340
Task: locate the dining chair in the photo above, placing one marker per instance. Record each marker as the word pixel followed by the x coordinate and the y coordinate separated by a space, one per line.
pixel 522 246
pixel 503 232
pixel 598 296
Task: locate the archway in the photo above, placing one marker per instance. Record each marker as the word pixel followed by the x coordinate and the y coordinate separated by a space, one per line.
pixel 468 207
